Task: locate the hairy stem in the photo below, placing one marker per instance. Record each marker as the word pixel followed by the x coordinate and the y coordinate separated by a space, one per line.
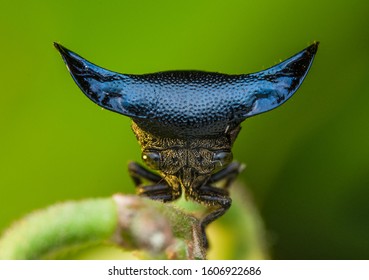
pixel 131 222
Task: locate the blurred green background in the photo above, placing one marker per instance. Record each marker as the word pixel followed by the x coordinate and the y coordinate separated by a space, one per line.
pixel 307 161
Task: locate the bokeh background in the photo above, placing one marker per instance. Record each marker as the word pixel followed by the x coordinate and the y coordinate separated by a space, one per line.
pixel 307 161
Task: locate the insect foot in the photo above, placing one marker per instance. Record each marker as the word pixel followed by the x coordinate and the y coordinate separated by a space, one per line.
pixel 187 121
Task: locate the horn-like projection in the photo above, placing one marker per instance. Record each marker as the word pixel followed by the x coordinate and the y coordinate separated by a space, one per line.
pixel 190 103
pixel 270 88
pixel 108 89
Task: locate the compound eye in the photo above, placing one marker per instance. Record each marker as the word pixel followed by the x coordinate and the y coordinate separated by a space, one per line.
pixel 152 159
pixel 222 158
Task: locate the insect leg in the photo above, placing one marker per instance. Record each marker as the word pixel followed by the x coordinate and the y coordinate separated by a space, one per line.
pixel 220 202
pixel 160 190
pixel 138 172
pixel 229 174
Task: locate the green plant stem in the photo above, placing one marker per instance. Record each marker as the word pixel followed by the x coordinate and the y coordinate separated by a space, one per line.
pixel 127 221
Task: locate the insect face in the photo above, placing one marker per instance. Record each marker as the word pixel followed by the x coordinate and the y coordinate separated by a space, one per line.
pixel 188 162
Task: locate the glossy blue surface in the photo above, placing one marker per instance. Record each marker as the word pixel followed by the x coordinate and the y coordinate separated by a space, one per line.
pixel 189 104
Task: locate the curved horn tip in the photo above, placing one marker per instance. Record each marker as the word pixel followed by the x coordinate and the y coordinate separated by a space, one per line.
pixel 60 48
pixel 57 45
pixel 313 48
pixel 73 61
pixel 68 56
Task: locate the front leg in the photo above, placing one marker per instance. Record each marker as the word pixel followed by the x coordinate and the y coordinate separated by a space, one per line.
pixel 159 190
pixel 219 202
pixel 229 174
pixel 217 198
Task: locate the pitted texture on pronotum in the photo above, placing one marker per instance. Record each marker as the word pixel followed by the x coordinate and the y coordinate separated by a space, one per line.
pixel 190 103
pixel 187 121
